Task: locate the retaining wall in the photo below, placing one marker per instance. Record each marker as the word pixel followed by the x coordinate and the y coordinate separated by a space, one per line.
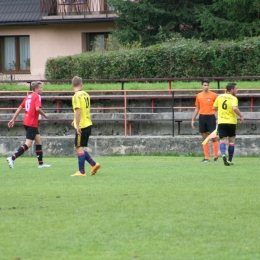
pixel 141 145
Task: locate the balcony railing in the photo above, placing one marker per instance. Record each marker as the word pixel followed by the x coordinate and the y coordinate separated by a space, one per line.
pixel 64 8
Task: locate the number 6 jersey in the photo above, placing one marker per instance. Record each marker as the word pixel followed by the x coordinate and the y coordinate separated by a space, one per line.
pixel 225 104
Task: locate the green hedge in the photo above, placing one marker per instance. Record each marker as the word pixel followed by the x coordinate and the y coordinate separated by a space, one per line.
pixel 183 58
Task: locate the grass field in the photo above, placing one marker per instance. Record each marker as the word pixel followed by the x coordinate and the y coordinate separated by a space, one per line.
pixel 136 86
pixel 135 207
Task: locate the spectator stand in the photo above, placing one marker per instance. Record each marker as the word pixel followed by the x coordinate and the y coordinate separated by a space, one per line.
pixel 169 95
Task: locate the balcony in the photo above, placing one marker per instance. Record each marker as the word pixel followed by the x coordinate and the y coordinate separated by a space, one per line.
pixel 67 9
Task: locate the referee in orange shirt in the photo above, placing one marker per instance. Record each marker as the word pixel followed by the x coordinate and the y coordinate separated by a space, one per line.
pixel 207 120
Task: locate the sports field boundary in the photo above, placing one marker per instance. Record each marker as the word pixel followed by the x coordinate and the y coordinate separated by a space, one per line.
pixel 246 145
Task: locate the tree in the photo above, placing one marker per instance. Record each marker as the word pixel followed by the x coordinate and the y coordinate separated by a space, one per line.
pixel 154 21
pixel 229 19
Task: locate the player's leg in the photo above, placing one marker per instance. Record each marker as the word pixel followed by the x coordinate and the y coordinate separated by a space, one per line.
pixel 85 136
pixel 231 142
pixel 23 148
pixel 78 147
pixel 231 149
pixel 211 126
pixel 223 133
pixel 222 145
pixel 39 152
pixel 205 148
pixel 81 161
pixel 215 148
pixel 204 135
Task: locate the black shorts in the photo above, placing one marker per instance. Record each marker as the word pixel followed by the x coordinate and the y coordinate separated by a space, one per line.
pixel 82 140
pixel 207 123
pixel 31 132
pixel 227 130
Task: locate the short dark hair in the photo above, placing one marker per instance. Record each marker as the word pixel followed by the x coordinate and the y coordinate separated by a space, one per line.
pixel 205 81
pixel 230 85
pixel 35 85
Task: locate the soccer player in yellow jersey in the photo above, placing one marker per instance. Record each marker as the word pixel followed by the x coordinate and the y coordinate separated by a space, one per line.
pixel 82 124
pixel 207 120
pixel 227 107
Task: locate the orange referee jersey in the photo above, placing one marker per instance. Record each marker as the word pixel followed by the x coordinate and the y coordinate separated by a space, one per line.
pixel 204 101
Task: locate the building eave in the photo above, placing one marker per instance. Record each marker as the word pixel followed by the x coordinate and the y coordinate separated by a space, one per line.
pixel 58 21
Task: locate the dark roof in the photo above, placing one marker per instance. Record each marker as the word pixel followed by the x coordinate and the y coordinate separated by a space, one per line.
pixel 14 11
pixel 28 12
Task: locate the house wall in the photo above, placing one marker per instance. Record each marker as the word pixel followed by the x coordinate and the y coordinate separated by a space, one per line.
pixel 50 41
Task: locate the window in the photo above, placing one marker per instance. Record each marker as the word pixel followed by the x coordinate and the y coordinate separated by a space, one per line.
pixel 96 41
pixel 15 53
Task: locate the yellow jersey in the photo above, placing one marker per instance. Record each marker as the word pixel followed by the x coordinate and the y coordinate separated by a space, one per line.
pixel 81 100
pixel 225 104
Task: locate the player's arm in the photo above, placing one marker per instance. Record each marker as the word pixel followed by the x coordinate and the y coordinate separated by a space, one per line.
pixel 38 109
pixel 196 111
pixel 17 112
pixel 216 114
pixel 77 120
pixel 237 111
pixel 215 107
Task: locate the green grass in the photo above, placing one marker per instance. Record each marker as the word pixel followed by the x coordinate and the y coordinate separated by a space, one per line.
pixel 143 207
pixel 134 86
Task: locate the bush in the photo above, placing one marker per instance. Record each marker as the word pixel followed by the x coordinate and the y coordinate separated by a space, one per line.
pixel 177 58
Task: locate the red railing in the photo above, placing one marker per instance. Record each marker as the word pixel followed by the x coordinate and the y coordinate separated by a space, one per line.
pixel 125 95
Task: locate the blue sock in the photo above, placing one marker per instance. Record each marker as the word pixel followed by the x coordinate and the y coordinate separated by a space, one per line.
pixel 81 161
pixel 231 149
pixel 89 159
pixel 222 147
